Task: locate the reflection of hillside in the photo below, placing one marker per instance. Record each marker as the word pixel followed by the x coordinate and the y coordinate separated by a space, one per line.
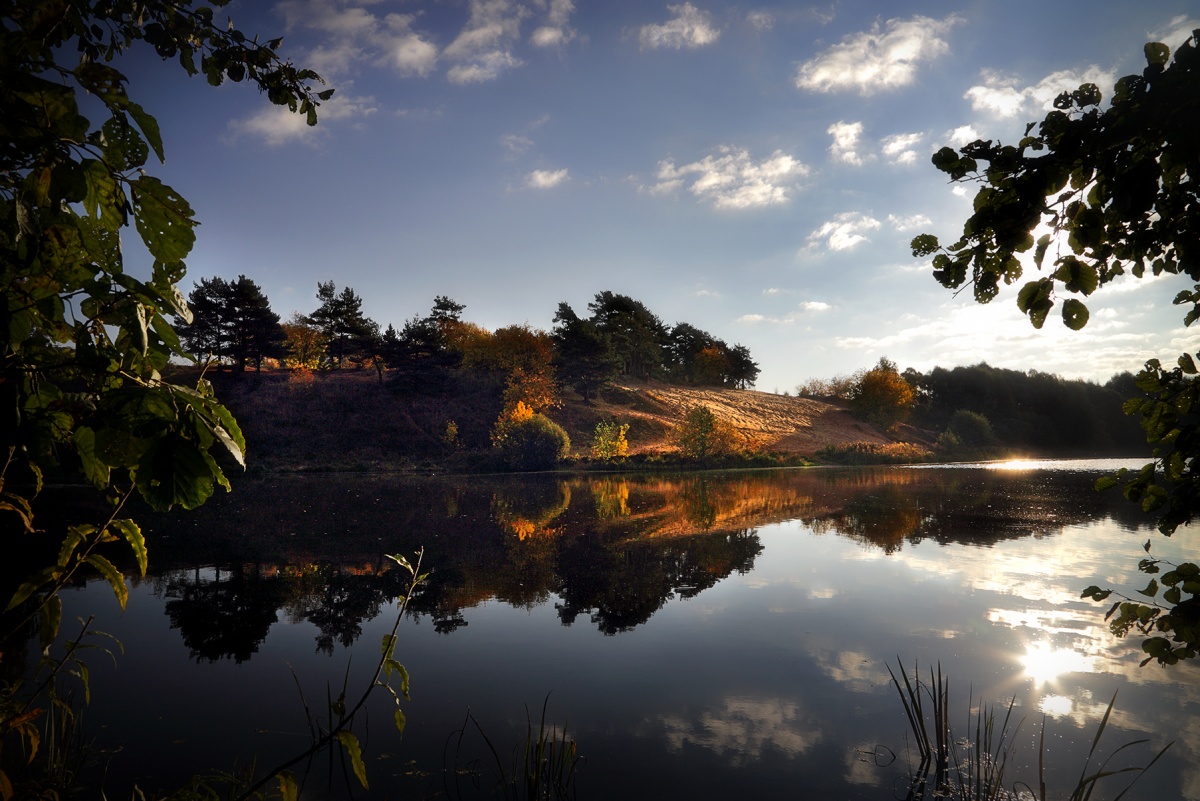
pixel 615 548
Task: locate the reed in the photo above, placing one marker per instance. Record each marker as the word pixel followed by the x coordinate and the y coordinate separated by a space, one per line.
pixel 974 767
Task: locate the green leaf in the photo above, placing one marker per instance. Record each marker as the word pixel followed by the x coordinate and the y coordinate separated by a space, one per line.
pixel 112 575
pixel 1078 276
pixel 133 535
pixel 174 471
pixel 149 127
pixel 75 536
pixel 924 244
pixel 350 743
pixel 94 469
pixel 1151 589
pixel 35 583
pixel 104 200
pixel 1157 53
pixel 288 789
pixel 164 219
pixel 1075 314
pixel 401 721
pixel 49 619
pixel 1034 300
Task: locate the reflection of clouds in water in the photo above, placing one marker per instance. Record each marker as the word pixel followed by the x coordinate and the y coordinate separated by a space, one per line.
pixel 863 765
pixel 855 671
pixel 744 728
pixel 822 593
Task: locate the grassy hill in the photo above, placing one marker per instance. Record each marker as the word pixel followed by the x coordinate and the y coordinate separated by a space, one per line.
pixel 349 420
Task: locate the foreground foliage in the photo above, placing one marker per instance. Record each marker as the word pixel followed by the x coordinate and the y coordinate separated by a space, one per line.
pixel 1116 191
pixel 84 341
pixel 972 766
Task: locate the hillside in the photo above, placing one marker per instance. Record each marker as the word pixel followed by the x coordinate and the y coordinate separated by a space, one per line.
pixel 776 423
pixel 349 420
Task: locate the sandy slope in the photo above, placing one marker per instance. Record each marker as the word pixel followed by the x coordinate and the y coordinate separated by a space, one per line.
pixel 769 422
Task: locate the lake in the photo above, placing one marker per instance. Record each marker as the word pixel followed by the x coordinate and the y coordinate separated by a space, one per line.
pixel 704 635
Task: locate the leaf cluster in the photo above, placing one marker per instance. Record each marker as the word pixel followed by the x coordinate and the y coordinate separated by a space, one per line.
pixel 1114 188
pixel 84 342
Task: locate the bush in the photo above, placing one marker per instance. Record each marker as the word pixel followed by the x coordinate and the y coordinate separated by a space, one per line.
pixel 971 429
pixel 609 441
pixel 882 396
pixel 529 441
pixel 874 453
pixel 702 434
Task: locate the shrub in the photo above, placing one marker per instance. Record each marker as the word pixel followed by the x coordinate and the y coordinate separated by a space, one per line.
pixel 529 441
pixel 609 441
pixel 702 434
pixel 874 453
pixel 971 429
pixel 882 396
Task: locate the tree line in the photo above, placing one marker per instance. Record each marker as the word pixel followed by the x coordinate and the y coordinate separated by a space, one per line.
pixel 979 406
pixel 233 323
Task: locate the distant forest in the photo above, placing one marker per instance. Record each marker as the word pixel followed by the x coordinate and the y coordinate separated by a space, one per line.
pixel 1033 411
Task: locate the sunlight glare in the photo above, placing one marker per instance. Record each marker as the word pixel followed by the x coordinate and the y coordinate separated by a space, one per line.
pixel 1043 663
pixel 1056 706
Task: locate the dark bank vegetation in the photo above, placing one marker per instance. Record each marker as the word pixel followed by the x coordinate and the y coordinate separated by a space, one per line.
pixel 986 412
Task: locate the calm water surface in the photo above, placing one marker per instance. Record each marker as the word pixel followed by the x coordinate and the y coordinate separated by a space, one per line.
pixel 701 636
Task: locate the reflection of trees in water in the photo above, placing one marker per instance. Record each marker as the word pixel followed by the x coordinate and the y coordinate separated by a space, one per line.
pixel 346 600
pixel 617 548
pixel 226 613
pixel 620 588
pixel 884 518
pixel 223 616
pixel 970 507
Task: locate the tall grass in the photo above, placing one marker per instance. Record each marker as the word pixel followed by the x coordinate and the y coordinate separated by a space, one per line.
pixel 974 767
pixel 541 769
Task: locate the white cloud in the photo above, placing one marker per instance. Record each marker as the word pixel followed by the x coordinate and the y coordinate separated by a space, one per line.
pixel 807 307
pixel 1175 32
pixel 899 148
pixel 761 20
pixel 689 27
pixel 706 293
pixel 999 96
pixel 406 50
pixel 355 34
pixel 516 145
pixel 545 179
pixel 482 49
pixel 276 125
pixel 962 135
pixel 556 31
pixel 882 58
pixel 844 231
pixel 846 137
pixel 730 180
pixel 910 223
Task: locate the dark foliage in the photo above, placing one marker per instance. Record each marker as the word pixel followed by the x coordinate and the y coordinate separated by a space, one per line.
pixel 1039 413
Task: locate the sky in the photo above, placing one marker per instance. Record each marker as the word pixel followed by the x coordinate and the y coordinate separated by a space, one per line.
pixel 756 170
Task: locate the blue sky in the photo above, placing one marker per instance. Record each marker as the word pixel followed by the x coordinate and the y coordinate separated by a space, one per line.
pixel 755 170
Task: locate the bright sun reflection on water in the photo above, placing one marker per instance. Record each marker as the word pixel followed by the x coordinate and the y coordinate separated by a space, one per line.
pixel 1017 464
pixel 1043 663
